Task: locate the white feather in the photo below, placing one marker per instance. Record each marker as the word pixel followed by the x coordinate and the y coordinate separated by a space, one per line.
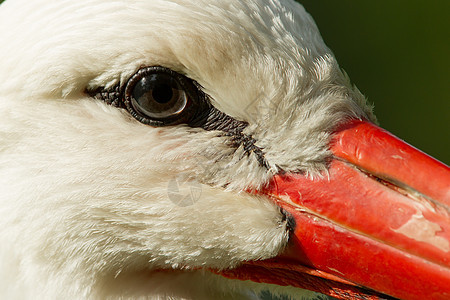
pixel 85 210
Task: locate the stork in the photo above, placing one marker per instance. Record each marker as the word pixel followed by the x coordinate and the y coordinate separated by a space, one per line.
pixel 112 109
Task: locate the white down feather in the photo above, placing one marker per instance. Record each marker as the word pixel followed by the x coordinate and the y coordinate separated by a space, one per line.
pixel 85 210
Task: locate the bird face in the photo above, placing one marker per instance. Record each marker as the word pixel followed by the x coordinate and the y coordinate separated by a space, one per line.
pixel 140 141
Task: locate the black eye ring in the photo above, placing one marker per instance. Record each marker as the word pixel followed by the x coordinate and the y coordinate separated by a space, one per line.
pixel 158 96
pixel 195 110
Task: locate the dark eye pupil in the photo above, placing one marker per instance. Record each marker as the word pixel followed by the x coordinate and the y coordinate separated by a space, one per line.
pixel 162 93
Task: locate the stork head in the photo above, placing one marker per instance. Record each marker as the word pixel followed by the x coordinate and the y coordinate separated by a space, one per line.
pixel 161 148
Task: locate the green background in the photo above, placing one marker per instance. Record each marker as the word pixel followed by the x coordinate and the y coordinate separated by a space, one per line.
pixel 398 54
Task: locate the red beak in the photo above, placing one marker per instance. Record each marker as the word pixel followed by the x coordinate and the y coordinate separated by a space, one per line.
pixel 376 225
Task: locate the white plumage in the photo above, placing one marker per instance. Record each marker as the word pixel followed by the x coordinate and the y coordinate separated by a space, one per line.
pixel 84 206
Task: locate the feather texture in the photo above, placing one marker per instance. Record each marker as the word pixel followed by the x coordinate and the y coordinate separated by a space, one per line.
pixel 85 203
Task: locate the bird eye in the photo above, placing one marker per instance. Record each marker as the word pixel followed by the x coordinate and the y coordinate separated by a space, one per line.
pixel 158 96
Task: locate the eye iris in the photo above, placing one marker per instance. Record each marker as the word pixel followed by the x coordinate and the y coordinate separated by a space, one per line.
pixel 158 96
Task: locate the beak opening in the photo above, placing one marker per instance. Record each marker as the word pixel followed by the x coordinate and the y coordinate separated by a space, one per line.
pixel 376 226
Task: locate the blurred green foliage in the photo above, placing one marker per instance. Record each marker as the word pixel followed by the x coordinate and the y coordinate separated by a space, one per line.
pixel 398 54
